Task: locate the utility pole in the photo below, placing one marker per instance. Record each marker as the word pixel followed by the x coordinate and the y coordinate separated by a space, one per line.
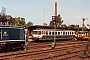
pixel 44 16
pixel 3 11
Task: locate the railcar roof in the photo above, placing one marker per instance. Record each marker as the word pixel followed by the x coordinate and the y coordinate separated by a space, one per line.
pixel 83 31
pixel 51 30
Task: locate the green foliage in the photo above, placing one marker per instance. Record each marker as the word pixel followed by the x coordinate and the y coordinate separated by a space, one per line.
pixel 17 21
pixel 51 23
pixel 45 24
pixel 86 50
pixel 76 26
pixel 87 24
pixel 11 21
pixel 30 33
pixel 29 23
pixel 51 55
pixel 57 22
pixel 63 25
pixel 71 26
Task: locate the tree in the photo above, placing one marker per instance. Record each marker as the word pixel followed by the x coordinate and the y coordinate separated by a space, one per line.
pixel 45 24
pixel 22 22
pixel 71 26
pixel 58 21
pixel 29 23
pixel 64 25
pixel 76 26
pixel 51 23
pixel 17 21
pixel 11 21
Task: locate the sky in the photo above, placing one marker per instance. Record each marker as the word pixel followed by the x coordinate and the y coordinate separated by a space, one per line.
pixel 41 11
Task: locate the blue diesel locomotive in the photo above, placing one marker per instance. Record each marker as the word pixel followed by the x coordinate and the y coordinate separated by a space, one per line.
pixel 11 37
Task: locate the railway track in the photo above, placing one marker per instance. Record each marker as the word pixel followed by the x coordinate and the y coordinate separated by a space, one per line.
pixel 44 52
pixel 35 54
pixel 49 44
pixel 46 42
pixel 64 56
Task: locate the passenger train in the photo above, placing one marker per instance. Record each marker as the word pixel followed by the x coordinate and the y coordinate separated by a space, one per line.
pixel 50 34
pixel 11 37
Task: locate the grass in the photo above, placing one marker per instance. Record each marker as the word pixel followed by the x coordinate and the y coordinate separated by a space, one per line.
pixel 51 55
pixel 84 53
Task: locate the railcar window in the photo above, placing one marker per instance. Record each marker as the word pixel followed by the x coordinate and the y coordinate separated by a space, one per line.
pixel 36 32
pixel 63 33
pixel 66 33
pixel 39 32
pixel 79 32
pixel 58 33
pixel 52 33
pixel 42 32
pixel 83 32
pixel 55 33
pixel 87 33
pixel 46 32
pixel 70 33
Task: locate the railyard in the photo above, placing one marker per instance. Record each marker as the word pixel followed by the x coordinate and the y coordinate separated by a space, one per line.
pixel 54 41
pixel 64 50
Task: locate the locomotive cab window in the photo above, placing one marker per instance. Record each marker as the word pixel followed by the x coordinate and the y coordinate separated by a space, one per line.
pixel 39 32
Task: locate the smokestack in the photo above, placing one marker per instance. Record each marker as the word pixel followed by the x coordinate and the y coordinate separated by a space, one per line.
pixel 55 12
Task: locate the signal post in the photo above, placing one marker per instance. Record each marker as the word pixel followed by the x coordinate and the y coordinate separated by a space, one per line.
pixel 54 43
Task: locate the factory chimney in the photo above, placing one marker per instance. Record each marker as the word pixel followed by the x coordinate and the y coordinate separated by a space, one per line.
pixel 55 11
